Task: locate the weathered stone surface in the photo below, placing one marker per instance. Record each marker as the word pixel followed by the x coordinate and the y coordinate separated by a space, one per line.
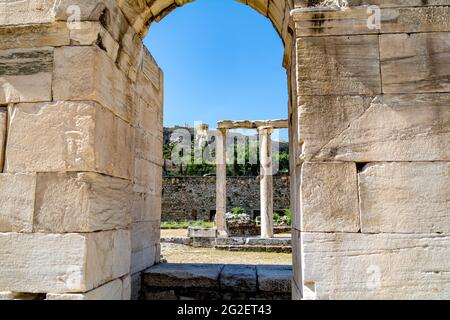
pixel 202 232
pixel 136 280
pixel 144 234
pixel 3 130
pixel 412 127
pixel 126 287
pixel 355 3
pixel 62 263
pixel 17 198
pixel 145 207
pixel 329 197
pixel 378 266
pixel 194 198
pixel 338 65
pixel 8 295
pixel 297 261
pixel 319 22
pixel 238 278
pixel 144 258
pixel 32 11
pixel 34 36
pixel 68 136
pixel 408 20
pixel 415 63
pixel 147 177
pixel 93 76
pixel 268 242
pixel 274 278
pixel 170 275
pixel 148 146
pixel 81 202
pixel 337 21
pixel 408 197
pixel 26 75
pixel 111 291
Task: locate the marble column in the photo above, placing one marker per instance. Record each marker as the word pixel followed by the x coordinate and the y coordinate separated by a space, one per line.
pixel 265 156
pixel 221 182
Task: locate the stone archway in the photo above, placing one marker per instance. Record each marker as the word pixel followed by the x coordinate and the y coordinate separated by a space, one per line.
pixel 79 104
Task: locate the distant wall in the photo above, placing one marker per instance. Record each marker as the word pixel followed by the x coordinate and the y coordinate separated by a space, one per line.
pixel 194 198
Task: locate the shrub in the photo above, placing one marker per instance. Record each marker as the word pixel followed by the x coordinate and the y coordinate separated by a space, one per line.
pixel 287 213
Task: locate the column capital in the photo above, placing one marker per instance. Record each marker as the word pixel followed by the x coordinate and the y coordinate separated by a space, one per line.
pixel 265 130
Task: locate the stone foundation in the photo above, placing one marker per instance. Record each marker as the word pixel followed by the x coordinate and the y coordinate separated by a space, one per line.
pixel 217 282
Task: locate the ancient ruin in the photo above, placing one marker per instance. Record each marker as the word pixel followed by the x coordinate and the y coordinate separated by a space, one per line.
pixel 81 108
pixel 265 129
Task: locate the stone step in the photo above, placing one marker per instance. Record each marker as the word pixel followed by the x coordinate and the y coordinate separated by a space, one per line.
pixel 217 282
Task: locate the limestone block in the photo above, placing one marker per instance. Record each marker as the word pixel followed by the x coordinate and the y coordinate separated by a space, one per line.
pixel 148 146
pixel 378 266
pixel 297 257
pixel 147 177
pixel 415 63
pixel 238 278
pixel 26 75
pixel 81 202
pixel 337 112
pixel 338 21
pixel 381 3
pixel 17 198
pixel 136 286
pixel 329 197
pixel 169 275
pixel 87 73
pixel 296 293
pixel 111 291
pixel 93 33
pixel 202 232
pixel 15 12
pixel 68 136
pixel 3 131
pixel 407 197
pixel 413 127
pixel 144 234
pixel 409 20
pixel 319 22
pixel 148 116
pixel 145 207
pixel 8 295
pixel 274 278
pixel 338 65
pixel 62 263
pixel 142 259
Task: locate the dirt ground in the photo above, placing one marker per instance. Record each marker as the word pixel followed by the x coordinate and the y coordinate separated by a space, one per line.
pixel 176 253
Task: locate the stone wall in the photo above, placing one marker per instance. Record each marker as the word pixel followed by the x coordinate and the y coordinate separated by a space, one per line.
pixel 194 198
pixel 81 112
pixel 375 177
pixel 369 132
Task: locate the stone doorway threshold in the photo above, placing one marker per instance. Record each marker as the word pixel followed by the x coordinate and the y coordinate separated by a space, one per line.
pixel 178 281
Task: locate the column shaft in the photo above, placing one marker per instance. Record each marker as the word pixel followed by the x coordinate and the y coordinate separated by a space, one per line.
pixel 265 155
pixel 221 182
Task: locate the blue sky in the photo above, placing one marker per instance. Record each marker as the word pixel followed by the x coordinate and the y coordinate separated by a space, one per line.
pixel 221 60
